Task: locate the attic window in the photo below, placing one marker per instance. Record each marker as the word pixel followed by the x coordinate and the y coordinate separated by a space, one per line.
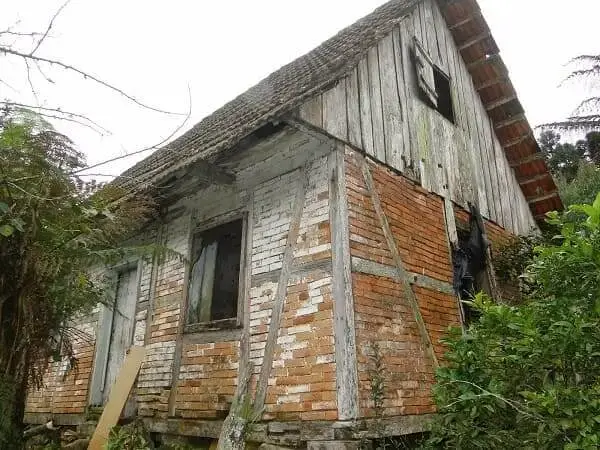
pixel 434 84
pixel 214 278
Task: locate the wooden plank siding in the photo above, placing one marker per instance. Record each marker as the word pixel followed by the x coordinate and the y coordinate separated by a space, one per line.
pixel 378 108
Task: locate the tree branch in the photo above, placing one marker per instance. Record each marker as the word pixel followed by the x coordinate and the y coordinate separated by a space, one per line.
pixel 153 147
pixel 45 34
pixel 85 75
pixel 57 113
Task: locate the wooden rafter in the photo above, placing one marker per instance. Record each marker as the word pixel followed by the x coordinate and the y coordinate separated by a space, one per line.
pixel 465 21
pixel 527 159
pixel 509 121
pixel 534 179
pixel 542 197
pixel 474 40
pixel 501 101
pixel 517 141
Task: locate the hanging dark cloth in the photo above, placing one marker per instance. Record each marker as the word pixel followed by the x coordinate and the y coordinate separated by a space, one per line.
pixel 468 258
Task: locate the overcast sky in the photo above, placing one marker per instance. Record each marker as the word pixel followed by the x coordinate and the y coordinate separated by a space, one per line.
pixel 156 49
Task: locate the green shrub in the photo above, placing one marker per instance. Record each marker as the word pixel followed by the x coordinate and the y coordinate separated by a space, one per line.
pixel 528 376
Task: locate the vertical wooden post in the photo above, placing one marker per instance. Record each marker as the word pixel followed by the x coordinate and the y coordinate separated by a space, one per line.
pixel 343 300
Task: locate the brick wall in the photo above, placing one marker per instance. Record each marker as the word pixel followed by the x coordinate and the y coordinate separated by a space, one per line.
pixel 64 389
pixel 383 313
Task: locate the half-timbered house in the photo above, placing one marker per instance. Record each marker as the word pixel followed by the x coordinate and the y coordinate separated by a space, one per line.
pixel 317 213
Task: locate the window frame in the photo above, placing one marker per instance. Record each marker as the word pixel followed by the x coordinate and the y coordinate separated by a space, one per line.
pixel 199 228
pixel 427 88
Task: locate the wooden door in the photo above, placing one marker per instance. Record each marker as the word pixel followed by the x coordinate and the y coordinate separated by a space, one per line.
pixel 123 321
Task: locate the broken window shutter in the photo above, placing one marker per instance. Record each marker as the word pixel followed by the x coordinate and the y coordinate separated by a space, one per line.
pixel 425 73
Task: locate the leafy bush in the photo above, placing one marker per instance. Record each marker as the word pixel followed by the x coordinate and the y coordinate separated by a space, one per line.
pixel 133 436
pixel 528 376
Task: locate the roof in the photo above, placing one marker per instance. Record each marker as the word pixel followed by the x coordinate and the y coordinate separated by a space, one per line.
pixel 291 85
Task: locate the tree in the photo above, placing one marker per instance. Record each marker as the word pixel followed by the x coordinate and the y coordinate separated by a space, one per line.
pixel 52 231
pixel 586 117
pixel 563 159
pixel 527 376
pixel 24 48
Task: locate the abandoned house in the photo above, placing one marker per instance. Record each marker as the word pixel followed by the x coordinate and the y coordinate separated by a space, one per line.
pixel 318 214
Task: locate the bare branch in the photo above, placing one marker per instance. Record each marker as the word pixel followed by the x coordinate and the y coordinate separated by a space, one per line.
pixel 20 33
pixel 153 147
pixel 85 75
pixel 57 113
pixel 33 91
pixel 45 34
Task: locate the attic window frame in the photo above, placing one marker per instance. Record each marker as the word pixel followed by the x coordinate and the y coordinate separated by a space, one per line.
pixel 428 83
pixel 232 323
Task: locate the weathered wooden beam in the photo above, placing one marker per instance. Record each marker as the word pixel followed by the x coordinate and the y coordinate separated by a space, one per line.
pixel 492 82
pixel 487 59
pixel 510 121
pixel 343 311
pixel 534 179
pixel 527 159
pixel 542 197
pixel 474 40
pixel 501 101
pixel 381 270
pixel 466 20
pixel 279 300
pixel 517 141
pixel 400 270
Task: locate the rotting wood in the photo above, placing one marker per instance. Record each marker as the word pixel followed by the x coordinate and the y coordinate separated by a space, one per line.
pixel 152 284
pixel 466 20
pixel 518 140
pixel 501 101
pixel 474 40
pixel 401 271
pixel 335 120
pixel 376 104
pixel 392 113
pixel 312 110
pixel 235 425
pixel 366 124
pixel 343 311
pixel 279 300
pixel 353 109
pixel 502 79
pixel 118 397
pixel 244 304
pixel 537 156
pixel 487 59
pixel 510 121
pixel 176 366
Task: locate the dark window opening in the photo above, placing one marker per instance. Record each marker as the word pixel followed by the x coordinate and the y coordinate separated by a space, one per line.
pixel 214 277
pixel 444 94
pixel 433 83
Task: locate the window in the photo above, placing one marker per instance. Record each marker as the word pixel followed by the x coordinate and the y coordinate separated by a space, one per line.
pixel 434 84
pixel 214 277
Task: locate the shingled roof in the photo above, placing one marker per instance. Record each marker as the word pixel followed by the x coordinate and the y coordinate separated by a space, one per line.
pixel 291 85
pixel 279 93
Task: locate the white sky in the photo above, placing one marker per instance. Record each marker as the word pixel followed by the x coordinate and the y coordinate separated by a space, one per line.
pixel 155 49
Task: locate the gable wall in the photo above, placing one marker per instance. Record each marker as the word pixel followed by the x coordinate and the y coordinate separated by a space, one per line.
pixel 377 109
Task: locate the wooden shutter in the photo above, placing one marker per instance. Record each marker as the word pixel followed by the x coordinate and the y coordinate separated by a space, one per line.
pixel 425 74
